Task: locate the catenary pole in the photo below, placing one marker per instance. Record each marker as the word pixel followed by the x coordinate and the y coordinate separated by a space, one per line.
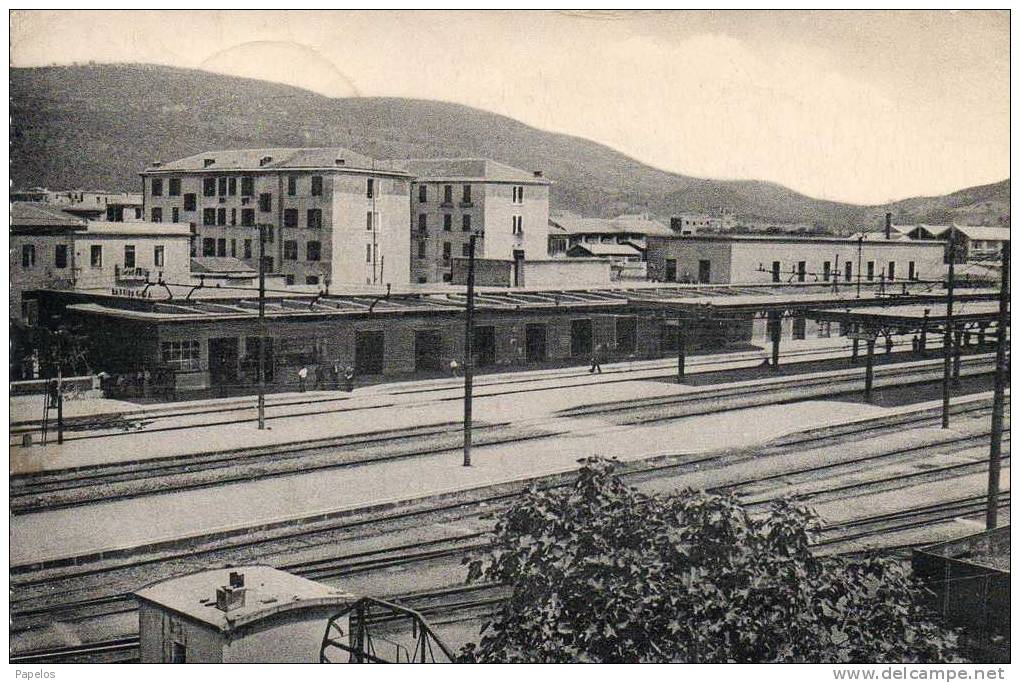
pixel 468 349
pixel 947 339
pixel 262 327
pixel 995 452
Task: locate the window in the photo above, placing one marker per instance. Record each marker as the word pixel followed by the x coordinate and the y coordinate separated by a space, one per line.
pixel 421 248
pixel 446 251
pixel 265 202
pixel 176 214
pixel 174 189
pixel 208 216
pixel 60 256
pixel 138 214
pixel 448 194
pixel 96 256
pixel 518 225
pixel 892 270
pixel 316 185
pixel 269 233
pixel 704 270
pixel 315 218
pixel 290 218
pixel 801 270
pixel 247 186
pixel 233 248
pixel 911 271
pixel 178 653
pixel 269 264
pixel 221 186
pixel 232 187
pixel 314 251
pixel 289 279
pixel 247 249
pixel 871 270
pixel 181 355
pixel 311 279
pixel 423 224
pixel 447 221
pixel 157 187
pixel 370 188
pixel 208 246
pixel 371 220
pixel 221 216
pixel 848 271
pixel 465 222
pixel 27 255
pixel 423 194
pixel 292 185
pixel 248 217
pixel 190 204
pixel 221 246
pixel 826 270
pixel 129 256
pixel 776 268
pixel 466 194
pixel 518 194
pixel 157 214
pixel 368 253
pixel 158 259
pixel 465 249
pixel 290 250
pixel 209 187
pixel 233 216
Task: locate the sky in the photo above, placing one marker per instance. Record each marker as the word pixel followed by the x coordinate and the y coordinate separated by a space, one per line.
pixel 864 107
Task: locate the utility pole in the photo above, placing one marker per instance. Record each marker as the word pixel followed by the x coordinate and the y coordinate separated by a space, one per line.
pixel 947 339
pixel 860 247
pixel 995 452
pixel 468 349
pixel 262 326
pixel 681 352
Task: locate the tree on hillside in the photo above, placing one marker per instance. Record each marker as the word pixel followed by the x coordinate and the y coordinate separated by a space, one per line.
pixel 599 572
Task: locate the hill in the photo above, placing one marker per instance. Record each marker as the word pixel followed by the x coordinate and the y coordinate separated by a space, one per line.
pixel 97 126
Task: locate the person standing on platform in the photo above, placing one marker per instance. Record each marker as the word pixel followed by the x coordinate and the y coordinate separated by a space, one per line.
pixel 334 374
pixel 302 375
pixel 888 344
pixel 454 367
pixel 596 360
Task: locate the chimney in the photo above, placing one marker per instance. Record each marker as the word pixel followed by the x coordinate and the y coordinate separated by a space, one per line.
pixel 676 224
pixel 538 174
pixel 236 580
pixel 265 160
pixel 206 163
pixel 157 164
pixel 228 598
pixel 888 226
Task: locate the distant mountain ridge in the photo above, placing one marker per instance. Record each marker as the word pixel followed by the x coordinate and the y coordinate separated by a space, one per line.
pixel 97 126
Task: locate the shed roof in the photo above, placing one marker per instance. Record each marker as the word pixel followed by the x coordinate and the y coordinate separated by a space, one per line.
pixel 221 265
pixel 137 229
pixel 457 170
pixel 621 225
pixel 600 249
pixel 39 215
pixel 268 591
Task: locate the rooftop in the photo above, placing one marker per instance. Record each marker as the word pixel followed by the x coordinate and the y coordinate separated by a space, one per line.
pixel 461 170
pixel 621 225
pixel 274 159
pixel 39 215
pixel 268 591
pixel 221 265
pixel 599 249
pixel 828 239
pixel 138 228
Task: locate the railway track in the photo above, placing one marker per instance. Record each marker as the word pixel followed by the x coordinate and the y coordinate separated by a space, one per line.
pixel 25 612
pixel 307 530
pixel 37 492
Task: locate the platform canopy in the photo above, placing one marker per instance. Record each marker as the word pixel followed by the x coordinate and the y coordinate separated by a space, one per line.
pixel 912 316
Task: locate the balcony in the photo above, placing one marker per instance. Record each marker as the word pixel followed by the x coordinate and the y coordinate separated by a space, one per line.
pixel 124 274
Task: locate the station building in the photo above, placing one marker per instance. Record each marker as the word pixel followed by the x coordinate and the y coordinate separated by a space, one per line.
pixel 202 339
pixel 330 214
pixel 240 615
pixel 718 259
pixel 451 199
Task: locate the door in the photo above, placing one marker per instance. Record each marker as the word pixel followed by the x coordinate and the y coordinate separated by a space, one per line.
pixel 536 336
pixel 251 359
pixel 485 346
pixel 626 335
pixel 428 350
pixel 223 358
pixel 704 271
pixel 580 338
pixel 369 349
pixel 671 270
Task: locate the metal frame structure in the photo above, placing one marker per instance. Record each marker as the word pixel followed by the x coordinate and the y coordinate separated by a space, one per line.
pixel 360 644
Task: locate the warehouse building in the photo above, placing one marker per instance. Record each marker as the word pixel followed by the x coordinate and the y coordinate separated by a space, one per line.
pixel 717 259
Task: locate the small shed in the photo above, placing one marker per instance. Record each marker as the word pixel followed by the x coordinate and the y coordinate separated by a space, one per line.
pixel 235 615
